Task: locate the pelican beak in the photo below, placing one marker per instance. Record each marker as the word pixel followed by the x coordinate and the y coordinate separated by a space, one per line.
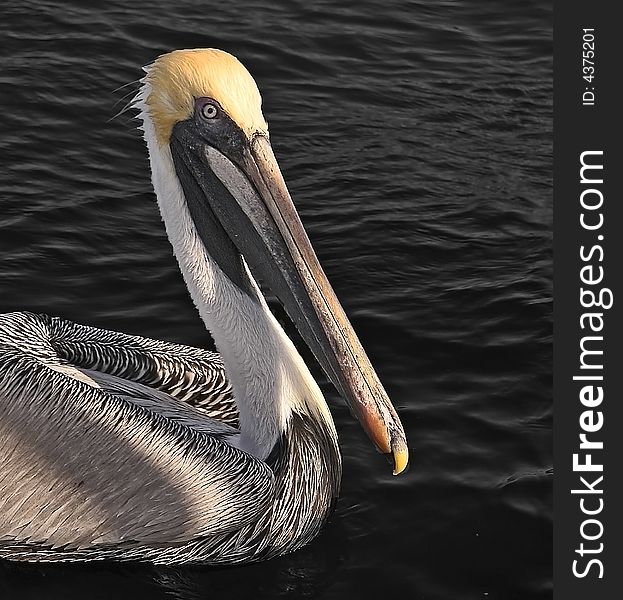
pixel 240 188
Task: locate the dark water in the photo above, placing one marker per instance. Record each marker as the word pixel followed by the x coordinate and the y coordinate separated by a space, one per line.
pixel 416 141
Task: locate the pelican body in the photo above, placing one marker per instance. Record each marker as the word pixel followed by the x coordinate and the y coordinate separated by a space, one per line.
pixel 119 447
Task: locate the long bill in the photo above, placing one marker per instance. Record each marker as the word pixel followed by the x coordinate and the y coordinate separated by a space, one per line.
pixel 249 198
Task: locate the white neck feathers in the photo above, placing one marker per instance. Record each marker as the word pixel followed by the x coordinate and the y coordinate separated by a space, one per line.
pixel 268 376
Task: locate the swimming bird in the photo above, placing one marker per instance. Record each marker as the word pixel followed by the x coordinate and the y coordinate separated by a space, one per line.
pixel 115 446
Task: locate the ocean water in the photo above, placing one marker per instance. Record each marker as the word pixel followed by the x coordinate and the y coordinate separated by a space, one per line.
pixel 416 140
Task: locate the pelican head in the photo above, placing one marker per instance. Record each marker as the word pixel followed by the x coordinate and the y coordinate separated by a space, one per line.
pixel 206 111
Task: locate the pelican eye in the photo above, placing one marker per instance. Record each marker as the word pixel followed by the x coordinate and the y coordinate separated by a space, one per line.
pixel 209 111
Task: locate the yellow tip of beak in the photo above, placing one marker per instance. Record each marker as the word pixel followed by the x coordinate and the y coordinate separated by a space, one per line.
pixel 401 460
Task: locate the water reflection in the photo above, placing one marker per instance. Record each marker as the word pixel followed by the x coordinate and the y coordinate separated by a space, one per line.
pixel 308 573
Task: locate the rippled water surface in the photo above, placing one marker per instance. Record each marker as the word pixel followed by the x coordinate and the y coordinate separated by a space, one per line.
pixel 416 141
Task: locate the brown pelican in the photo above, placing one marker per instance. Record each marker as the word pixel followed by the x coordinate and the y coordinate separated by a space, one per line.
pixel 118 447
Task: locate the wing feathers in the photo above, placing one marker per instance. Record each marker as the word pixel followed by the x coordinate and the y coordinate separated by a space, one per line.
pixel 192 375
pixel 83 467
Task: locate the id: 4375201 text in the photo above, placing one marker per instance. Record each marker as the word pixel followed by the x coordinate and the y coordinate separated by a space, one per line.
pixel 588 67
